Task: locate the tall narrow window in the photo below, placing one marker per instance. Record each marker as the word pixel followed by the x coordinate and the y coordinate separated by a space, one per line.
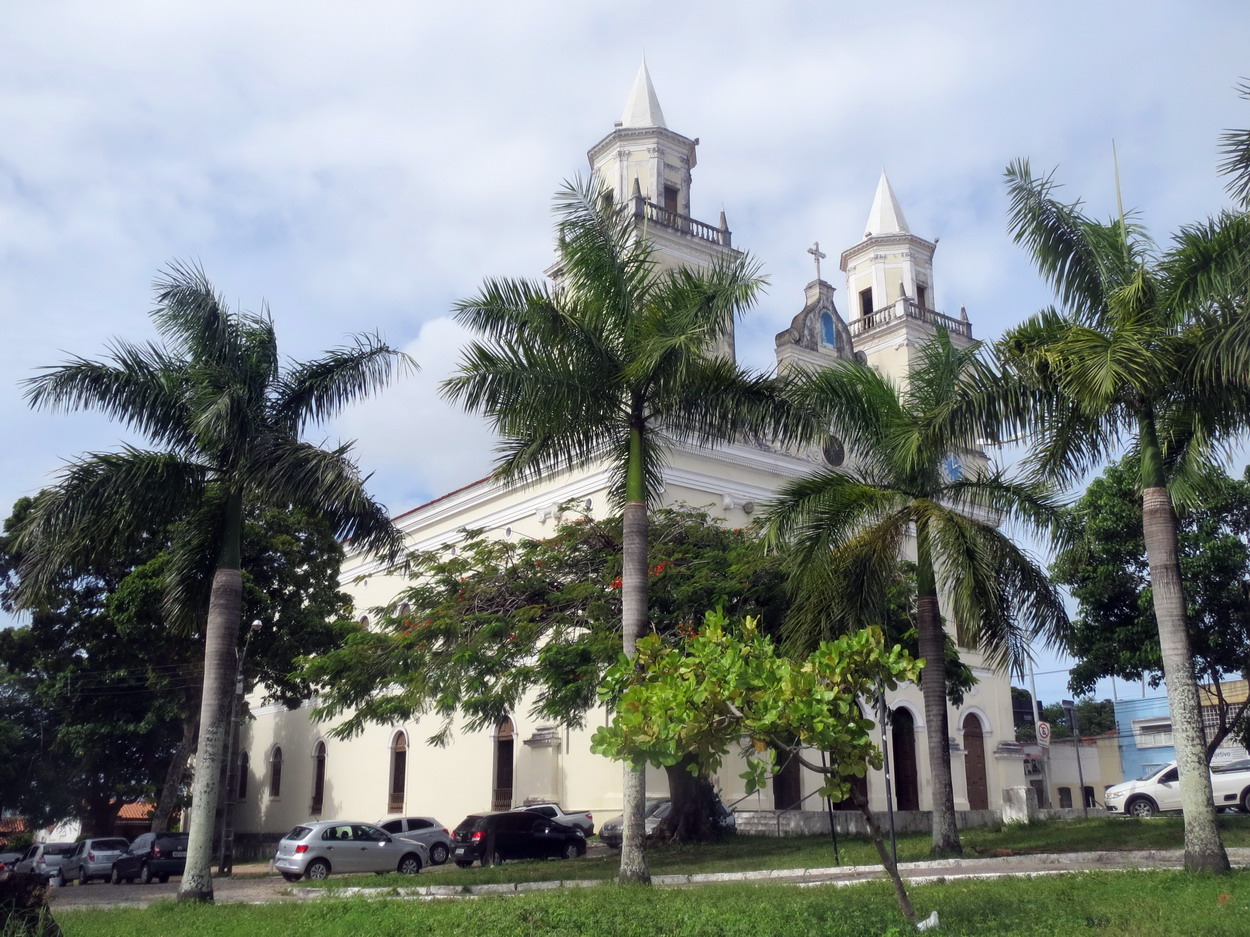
pixel 319 778
pixel 275 772
pixel 399 773
pixel 244 767
pixel 922 296
pixel 671 194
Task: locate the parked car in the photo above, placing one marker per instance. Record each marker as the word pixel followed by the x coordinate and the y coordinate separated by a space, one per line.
pixel 318 849
pixel 92 858
pixel 584 820
pixel 490 838
pixel 1160 790
pixel 7 861
pixel 436 837
pixel 151 856
pixel 44 860
pixel 612 831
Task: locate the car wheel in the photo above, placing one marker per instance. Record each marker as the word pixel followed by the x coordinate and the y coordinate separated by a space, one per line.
pixel 571 851
pixel 409 864
pixel 1142 808
pixel 461 864
pixel 1245 800
pixel 114 877
pixel 438 854
pixel 164 879
pixel 145 874
pixel 290 876
pixel 318 870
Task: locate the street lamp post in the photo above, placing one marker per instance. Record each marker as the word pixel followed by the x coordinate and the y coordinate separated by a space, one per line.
pixel 225 859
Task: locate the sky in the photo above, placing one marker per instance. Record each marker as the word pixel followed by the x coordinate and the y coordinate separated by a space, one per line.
pixel 360 167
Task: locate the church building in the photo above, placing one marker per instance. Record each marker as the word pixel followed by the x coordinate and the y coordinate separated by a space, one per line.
pixel 293 770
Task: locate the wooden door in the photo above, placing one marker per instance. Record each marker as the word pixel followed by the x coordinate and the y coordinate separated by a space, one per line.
pixel 906 775
pixel 974 764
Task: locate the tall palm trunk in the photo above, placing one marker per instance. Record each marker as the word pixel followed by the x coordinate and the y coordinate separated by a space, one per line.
pixel 1204 849
pixel 225 609
pixel 932 642
pixel 634 609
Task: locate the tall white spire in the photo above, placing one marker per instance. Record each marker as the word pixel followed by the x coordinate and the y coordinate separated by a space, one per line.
pixel 885 217
pixel 643 107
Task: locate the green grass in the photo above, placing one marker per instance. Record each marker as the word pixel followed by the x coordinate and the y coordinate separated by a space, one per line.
pixel 748 853
pixel 1108 904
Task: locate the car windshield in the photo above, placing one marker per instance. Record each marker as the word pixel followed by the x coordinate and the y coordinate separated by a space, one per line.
pixel 58 849
pixel 1242 765
pixel 107 845
pixel 298 833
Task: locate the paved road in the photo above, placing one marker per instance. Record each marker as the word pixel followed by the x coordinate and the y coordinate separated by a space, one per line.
pixel 253 885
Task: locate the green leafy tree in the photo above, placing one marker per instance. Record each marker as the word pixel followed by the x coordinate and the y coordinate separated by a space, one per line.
pixel 481 629
pixel 1149 351
pixel 728 688
pixel 617 363
pixel 1104 566
pixel 226 417
pixel 847 529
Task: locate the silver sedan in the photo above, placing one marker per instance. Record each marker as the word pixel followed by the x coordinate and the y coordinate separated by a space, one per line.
pixel 316 850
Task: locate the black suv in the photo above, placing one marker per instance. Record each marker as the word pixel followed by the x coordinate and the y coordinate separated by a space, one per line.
pixel 490 838
pixel 151 856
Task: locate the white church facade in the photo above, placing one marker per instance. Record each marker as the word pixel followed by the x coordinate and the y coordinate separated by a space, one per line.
pixel 293 769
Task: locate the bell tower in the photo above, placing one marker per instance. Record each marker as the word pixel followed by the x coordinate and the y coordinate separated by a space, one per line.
pixel 889 281
pixel 648 167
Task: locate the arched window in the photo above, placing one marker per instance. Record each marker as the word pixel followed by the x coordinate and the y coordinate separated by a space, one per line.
pixel 244 767
pixel 275 772
pixel 319 778
pixel 399 773
pixel 828 335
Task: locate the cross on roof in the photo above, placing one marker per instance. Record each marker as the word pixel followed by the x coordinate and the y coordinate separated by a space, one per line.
pixel 814 250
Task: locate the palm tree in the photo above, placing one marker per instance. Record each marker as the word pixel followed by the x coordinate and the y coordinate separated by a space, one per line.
pixel 1149 349
pixel 617 363
pixel 225 418
pixel 848 529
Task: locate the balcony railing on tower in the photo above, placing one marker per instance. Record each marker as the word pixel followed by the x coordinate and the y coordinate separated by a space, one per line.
pixel 651 213
pixel 905 308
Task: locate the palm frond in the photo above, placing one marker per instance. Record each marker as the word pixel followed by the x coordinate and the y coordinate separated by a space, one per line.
pixel 998 595
pixel 1235 147
pixel 142 386
pixel 328 483
pixel 319 390
pixel 192 315
pixel 102 504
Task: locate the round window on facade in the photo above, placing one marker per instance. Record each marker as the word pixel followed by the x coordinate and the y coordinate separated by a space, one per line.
pixel 834 452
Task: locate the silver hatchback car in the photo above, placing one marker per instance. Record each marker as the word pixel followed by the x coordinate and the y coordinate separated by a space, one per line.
pixel 315 850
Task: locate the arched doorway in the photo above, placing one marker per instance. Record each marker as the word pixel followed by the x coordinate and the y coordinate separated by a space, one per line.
pixel 399 773
pixel 906 773
pixel 501 796
pixel 974 764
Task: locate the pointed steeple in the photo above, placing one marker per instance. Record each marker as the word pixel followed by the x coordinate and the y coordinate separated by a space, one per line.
pixel 643 107
pixel 885 217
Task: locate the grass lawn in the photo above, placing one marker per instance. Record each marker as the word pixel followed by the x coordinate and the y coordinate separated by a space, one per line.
pixel 1132 904
pixel 745 853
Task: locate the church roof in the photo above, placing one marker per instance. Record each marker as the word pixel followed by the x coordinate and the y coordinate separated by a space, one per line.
pixel 885 217
pixel 643 107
